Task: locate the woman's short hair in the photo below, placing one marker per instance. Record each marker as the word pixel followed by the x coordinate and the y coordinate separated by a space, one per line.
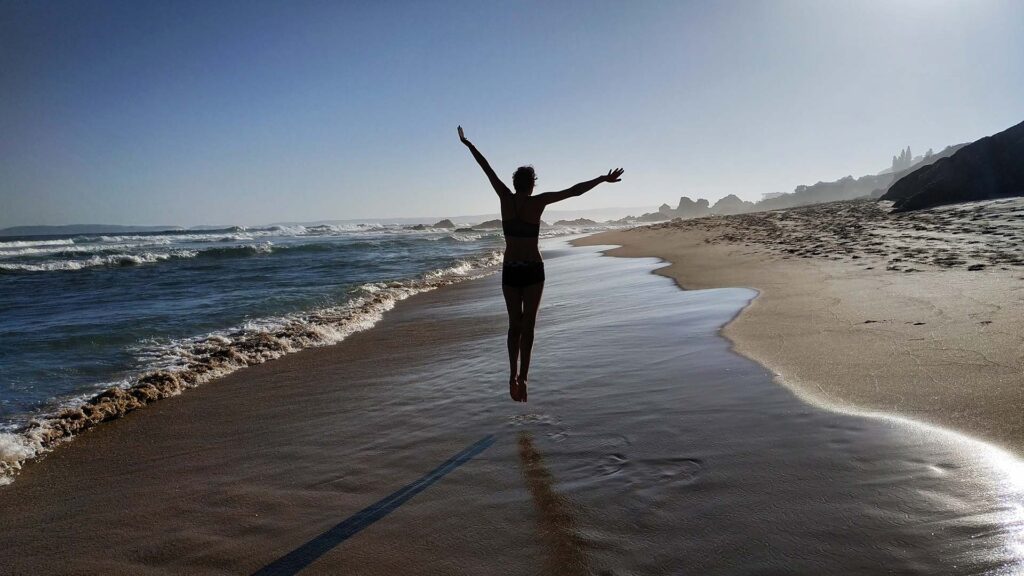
pixel 524 178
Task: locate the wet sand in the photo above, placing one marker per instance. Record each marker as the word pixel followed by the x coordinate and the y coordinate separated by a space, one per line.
pixel 648 447
pixel 918 314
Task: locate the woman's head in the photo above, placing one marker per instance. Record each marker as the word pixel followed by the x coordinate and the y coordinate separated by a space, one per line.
pixel 524 179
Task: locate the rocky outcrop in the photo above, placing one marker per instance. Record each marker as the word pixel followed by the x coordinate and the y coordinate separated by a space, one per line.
pixel 443 224
pixel 992 167
pixel 576 222
pixel 732 204
pixel 653 217
pixel 846 188
pixel 903 161
pixel 688 208
pixel 489 225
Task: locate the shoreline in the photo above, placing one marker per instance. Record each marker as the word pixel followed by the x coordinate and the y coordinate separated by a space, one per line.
pixel 934 344
pixel 653 446
pixel 200 360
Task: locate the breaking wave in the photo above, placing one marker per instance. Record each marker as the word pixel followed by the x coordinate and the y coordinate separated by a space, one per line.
pixel 34 243
pixel 176 366
pixel 135 249
pixel 109 260
pixel 107 256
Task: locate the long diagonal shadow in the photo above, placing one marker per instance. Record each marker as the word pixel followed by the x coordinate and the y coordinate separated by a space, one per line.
pixel 296 560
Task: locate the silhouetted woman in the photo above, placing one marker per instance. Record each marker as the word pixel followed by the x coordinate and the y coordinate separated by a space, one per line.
pixel 522 275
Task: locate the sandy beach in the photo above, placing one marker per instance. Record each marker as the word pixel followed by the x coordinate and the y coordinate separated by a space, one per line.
pixel 512 289
pixel 648 446
pixel 917 314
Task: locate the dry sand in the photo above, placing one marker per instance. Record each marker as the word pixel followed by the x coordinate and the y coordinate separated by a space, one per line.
pixel 918 314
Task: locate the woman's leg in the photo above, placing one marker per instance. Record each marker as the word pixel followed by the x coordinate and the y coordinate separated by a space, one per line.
pixel 531 303
pixel 514 305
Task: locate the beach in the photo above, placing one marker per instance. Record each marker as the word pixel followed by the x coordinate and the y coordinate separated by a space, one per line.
pixel 917 314
pixel 648 446
pixel 295 289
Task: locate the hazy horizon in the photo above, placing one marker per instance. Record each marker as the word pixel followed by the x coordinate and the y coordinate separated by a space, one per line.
pixel 251 113
pixel 600 214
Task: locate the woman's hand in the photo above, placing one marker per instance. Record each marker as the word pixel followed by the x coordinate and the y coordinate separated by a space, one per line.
pixel 611 176
pixel 462 137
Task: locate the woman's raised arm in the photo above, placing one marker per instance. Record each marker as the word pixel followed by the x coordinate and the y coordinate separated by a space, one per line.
pixel 499 186
pixel 581 188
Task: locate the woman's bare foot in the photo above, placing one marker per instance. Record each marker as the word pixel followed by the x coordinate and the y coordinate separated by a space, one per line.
pixel 513 388
pixel 522 388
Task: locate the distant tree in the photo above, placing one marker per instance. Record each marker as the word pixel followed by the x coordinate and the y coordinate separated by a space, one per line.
pixel 929 153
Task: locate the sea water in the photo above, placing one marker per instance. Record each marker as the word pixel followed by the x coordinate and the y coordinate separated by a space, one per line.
pixel 81 314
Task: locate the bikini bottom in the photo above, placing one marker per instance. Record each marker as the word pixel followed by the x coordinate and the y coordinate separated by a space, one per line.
pixel 519 274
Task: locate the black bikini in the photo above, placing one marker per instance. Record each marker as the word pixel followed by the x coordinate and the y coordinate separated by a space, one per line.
pixel 519 228
pixel 521 273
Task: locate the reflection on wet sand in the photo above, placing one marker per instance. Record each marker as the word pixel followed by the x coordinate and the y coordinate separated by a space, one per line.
pixel 555 522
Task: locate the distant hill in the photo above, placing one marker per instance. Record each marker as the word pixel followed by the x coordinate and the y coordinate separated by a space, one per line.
pixel 849 187
pixel 992 167
pixel 71 229
pixel 846 188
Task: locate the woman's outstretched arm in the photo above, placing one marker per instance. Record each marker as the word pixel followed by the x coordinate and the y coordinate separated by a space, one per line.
pixel 499 186
pixel 581 188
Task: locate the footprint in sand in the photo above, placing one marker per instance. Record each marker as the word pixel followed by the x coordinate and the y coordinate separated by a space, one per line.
pixel 551 426
pixel 529 419
pixel 673 471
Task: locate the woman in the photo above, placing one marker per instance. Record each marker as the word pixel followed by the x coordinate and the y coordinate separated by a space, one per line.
pixel 522 274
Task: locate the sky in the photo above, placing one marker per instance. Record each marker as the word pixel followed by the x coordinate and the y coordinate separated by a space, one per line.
pixel 249 113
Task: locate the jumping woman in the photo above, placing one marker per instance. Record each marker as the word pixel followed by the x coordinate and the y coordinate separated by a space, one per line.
pixel 522 274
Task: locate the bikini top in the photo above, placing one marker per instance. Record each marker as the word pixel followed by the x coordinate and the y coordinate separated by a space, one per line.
pixel 516 227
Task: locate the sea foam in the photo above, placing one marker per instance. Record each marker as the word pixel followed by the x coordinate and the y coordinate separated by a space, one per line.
pixel 182 364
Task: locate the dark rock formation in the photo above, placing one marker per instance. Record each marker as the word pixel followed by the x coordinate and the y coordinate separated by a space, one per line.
pixel 576 222
pixel 992 167
pixel 488 225
pixel 446 223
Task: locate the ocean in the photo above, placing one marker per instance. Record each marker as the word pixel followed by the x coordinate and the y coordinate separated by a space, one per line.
pixel 157 313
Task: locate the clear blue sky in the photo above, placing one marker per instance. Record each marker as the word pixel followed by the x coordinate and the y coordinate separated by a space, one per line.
pixel 251 112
